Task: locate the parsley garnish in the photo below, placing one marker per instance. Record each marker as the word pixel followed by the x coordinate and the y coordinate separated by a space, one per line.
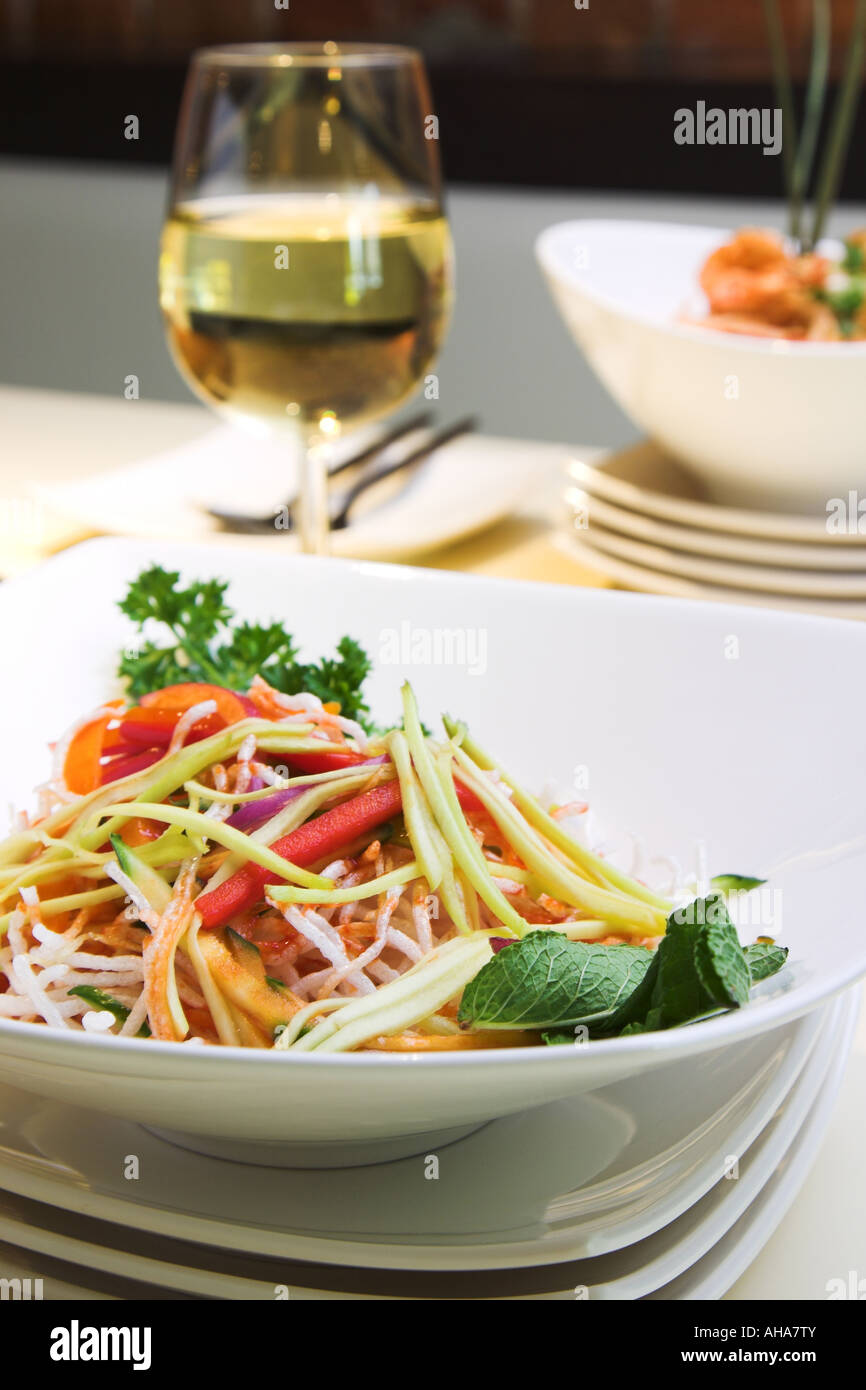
pixel 202 640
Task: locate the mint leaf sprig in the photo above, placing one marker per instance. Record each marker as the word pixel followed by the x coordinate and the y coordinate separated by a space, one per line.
pixel 547 983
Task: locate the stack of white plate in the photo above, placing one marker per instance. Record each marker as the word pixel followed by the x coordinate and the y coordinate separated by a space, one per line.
pixel 663 1190
pixel 644 520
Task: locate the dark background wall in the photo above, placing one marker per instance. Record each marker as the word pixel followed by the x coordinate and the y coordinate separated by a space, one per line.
pixel 529 92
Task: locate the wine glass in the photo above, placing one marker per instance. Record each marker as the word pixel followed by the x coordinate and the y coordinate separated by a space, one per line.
pixel 306 266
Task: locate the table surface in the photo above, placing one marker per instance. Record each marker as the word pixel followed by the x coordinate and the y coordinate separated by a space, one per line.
pixel 53 436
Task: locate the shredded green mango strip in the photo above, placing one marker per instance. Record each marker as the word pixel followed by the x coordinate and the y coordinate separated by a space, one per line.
pixel 415 812
pixel 310 779
pixel 72 902
pixel 509 871
pixel 287 820
pixel 637 918
pixel 472 862
pixel 535 813
pixel 225 835
pixel 355 894
pixel 295 1027
pixel 453 827
pixel 401 1003
pixel 170 848
pixel 447 885
pixel 157 782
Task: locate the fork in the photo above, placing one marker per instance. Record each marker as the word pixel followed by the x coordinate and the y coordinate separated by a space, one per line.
pixel 242 521
pixel 341 505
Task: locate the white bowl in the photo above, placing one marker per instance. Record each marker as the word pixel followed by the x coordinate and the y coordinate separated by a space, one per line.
pixel 761 422
pixel 740 728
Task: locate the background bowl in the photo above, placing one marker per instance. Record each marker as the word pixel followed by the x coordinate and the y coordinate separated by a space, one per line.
pixel 689 722
pixel 766 423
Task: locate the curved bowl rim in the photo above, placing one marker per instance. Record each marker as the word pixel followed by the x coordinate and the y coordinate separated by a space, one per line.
pixel 758 1016
pixel 778 348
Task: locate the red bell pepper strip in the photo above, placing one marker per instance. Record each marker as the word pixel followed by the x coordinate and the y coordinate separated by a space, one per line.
pixel 149 728
pixel 116 768
pixel 153 728
pixel 315 839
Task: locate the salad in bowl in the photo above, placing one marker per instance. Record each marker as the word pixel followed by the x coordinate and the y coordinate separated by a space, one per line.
pixel 232 854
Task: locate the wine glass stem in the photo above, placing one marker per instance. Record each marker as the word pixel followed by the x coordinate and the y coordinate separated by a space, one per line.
pixel 314 519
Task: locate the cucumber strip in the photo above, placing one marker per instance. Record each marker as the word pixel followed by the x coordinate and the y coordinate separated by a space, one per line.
pixel 149 883
pixel 100 999
pixel 246 953
pixel 550 828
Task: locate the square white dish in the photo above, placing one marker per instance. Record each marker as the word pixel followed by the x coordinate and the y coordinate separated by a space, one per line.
pixel 740 729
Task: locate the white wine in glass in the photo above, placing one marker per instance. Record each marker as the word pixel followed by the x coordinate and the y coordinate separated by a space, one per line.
pixel 306 267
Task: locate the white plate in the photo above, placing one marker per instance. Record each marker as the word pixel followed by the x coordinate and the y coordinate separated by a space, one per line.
pixel 673 1250
pixel 643 479
pixel 758 579
pixel 645 1270
pixel 584 1176
pixel 653 581
pixel 712 1276
pixel 594 512
pixel 461 488
pixel 682 742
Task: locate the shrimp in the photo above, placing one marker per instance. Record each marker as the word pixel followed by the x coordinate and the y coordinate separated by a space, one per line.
pixel 755 286
pixel 742 275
